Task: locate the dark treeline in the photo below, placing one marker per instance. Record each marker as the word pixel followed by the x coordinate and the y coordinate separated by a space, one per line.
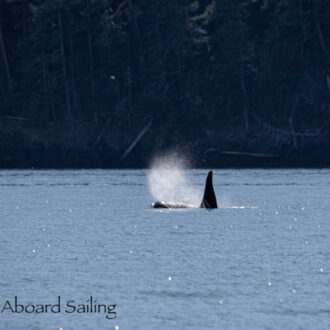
pixel 106 83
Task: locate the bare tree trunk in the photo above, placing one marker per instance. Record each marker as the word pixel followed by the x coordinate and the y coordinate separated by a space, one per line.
pixel 129 96
pixel 45 85
pixel 138 35
pixel 137 139
pixel 303 29
pixel 45 73
pixel 318 27
pixel 66 84
pixel 321 41
pixel 52 104
pixel 291 121
pixel 91 58
pixel 72 73
pixel 101 133
pixel 179 59
pixel 5 61
pixel 245 101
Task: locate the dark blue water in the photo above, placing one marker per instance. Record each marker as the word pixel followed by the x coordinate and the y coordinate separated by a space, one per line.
pixel 260 261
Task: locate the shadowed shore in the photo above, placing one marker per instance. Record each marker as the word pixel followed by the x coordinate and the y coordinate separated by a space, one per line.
pixel 23 147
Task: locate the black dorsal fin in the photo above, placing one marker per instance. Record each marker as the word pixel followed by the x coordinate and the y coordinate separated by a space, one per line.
pixel 209 200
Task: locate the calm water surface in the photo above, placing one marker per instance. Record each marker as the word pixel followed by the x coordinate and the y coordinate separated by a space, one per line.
pixel 260 261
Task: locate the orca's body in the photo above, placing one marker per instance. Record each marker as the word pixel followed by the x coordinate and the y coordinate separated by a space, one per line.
pixel 209 200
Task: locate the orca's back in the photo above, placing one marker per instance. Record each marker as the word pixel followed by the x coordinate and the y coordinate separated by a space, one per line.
pixel 166 205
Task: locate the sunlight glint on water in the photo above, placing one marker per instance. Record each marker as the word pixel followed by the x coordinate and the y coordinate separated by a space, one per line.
pixel 236 267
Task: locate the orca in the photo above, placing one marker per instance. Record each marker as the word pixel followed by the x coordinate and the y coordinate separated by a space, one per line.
pixel 209 200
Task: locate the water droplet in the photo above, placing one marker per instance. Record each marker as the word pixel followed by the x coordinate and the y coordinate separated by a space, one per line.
pixel 130 251
pixel 60 329
pixel 276 213
pixel 295 219
pixel 48 245
pixel 46 201
pixel 270 283
pixel 293 291
pixel 290 227
pixel 33 251
pixel 117 327
pixel 220 302
pixel 176 227
pixel 43 229
pixel 321 270
pixel 302 208
pixel 70 210
pixel 306 242
pixel 170 278
pixel 17 207
pixel 281 300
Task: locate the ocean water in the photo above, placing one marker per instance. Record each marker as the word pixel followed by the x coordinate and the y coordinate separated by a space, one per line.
pixel 259 261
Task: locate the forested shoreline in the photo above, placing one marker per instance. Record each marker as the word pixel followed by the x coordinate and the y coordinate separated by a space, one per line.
pixel 112 83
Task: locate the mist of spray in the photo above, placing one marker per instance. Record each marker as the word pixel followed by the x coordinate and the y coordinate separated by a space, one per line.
pixel 168 182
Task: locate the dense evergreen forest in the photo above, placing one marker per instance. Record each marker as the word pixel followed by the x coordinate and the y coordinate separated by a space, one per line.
pixel 110 83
